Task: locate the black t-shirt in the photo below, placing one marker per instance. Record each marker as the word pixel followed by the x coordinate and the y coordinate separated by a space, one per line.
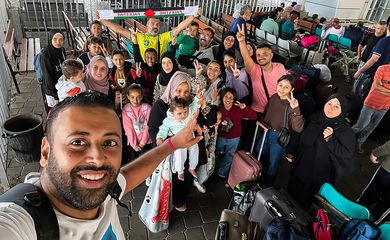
pixel 369 41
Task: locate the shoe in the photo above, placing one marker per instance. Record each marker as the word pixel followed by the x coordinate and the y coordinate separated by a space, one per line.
pixel 201 188
pixel 147 181
pixel 359 148
pixel 181 207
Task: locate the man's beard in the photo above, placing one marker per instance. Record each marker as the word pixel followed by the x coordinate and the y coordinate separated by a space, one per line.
pixel 153 32
pixel 67 191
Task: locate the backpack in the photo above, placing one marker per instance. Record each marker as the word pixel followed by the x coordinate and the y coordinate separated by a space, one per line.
pixel 37 204
pixel 309 41
pixel 358 229
pixel 321 226
pixel 38 68
pixel 280 229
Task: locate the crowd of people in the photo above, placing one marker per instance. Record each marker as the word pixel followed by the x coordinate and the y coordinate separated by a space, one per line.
pixel 223 88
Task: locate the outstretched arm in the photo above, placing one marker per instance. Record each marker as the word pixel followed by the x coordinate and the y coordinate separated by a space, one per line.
pixel 248 61
pixel 185 23
pixel 138 170
pixel 114 26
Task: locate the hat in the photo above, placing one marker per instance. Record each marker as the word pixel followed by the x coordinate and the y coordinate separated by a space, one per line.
pixel 336 20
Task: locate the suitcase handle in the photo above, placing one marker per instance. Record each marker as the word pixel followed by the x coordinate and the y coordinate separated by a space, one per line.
pixel 273 209
pixel 222 231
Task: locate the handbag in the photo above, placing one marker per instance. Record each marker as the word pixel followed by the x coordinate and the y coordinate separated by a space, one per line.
pixel 155 208
pixel 285 134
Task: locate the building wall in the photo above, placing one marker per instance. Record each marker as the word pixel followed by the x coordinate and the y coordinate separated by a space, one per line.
pixel 351 9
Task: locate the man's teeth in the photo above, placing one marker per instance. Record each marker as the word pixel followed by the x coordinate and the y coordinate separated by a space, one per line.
pixel 93 176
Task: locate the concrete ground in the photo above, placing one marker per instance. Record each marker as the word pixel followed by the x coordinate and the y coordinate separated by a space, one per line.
pixel 201 218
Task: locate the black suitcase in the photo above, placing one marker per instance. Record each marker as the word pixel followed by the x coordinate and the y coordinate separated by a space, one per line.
pixel 272 203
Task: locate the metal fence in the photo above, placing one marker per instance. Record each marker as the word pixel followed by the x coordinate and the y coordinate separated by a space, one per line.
pixel 43 15
pixel 5 88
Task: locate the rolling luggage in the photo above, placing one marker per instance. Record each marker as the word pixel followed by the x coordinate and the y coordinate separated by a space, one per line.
pixel 271 203
pixel 233 226
pixel 245 167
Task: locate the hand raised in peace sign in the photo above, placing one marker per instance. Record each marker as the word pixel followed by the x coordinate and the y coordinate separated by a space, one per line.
pixel 293 101
pixel 240 105
pixel 198 68
pixel 133 35
pixel 241 33
pixel 235 70
pixel 138 69
pixel 104 50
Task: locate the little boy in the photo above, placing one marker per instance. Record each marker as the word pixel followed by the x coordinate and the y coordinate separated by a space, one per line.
pixel 178 115
pixel 95 47
pixel 70 83
pixel 188 44
pixel 97 31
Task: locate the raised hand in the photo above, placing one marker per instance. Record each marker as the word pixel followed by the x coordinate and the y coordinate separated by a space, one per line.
pixel 214 94
pixel 198 68
pixel 328 132
pixel 133 35
pixel 241 33
pixel 240 105
pixel 138 69
pixel 104 50
pixel 97 15
pixel 235 70
pixel 174 39
pixel 293 101
pixel 200 94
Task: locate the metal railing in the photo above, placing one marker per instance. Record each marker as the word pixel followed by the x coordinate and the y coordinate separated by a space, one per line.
pixel 43 15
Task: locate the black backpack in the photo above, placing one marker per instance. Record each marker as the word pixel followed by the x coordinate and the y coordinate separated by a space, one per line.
pixel 37 204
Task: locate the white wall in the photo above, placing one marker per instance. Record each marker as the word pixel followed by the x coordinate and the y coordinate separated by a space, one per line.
pixel 350 9
pixel 322 8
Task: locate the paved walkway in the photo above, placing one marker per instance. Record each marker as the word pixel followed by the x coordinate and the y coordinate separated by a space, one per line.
pixel 200 220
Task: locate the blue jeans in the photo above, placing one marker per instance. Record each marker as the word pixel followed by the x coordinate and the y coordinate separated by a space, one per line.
pixel 368 120
pixel 228 146
pixel 274 151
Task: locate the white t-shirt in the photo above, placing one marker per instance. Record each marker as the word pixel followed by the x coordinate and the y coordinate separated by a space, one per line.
pixel 16 223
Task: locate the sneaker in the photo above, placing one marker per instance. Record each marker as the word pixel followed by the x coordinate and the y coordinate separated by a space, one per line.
pixel 359 148
pixel 201 188
pixel 147 181
pixel 181 207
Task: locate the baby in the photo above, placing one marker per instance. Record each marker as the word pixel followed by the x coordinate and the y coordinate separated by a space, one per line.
pixel 178 115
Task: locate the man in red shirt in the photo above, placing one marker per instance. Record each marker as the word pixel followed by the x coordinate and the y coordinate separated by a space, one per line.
pixel 375 106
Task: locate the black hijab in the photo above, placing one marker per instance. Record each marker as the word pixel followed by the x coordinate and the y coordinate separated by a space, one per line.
pixel 222 49
pixel 323 120
pixel 165 77
pixel 55 53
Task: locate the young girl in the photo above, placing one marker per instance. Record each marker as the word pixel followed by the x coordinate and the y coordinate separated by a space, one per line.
pixel 229 130
pixel 178 115
pixel 135 116
pixel 120 77
pixel 283 100
pixel 212 83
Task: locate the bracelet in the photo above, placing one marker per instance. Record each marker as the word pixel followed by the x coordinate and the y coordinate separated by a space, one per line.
pixel 171 144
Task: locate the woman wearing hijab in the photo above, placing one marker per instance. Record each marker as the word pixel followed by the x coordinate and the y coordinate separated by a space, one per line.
pixel 227 44
pixel 96 76
pixel 52 57
pixel 168 68
pixel 324 151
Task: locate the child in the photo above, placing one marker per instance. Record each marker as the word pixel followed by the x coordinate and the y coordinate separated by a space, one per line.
pixel 96 31
pixel 178 115
pixel 229 130
pixel 70 83
pixel 120 77
pixel 282 101
pixel 135 116
pixel 95 47
pixel 188 44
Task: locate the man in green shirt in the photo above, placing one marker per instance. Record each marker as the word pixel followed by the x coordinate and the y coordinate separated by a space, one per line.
pixel 270 25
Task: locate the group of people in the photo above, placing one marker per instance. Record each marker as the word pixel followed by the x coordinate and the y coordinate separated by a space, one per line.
pixel 197 107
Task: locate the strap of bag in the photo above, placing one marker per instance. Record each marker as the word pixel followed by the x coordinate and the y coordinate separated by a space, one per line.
pixel 37 204
pixel 158 48
pixel 264 86
pixel 285 119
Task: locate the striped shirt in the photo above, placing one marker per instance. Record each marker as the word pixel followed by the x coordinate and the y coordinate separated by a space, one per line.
pixel 375 99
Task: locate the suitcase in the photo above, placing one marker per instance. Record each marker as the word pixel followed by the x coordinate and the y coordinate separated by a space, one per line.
pixel 245 167
pixel 272 203
pixel 233 226
pixel 301 80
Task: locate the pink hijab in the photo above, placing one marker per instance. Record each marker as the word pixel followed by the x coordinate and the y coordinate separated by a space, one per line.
pixel 93 84
pixel 176 79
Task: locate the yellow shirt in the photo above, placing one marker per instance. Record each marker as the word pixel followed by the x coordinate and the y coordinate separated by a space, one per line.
pixel 145 41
